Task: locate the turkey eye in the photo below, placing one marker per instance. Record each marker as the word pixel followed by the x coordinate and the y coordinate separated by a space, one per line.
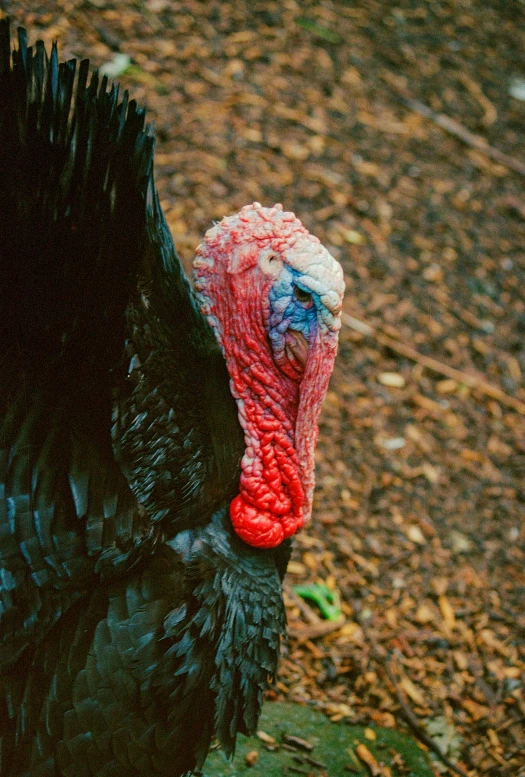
pixel 301 295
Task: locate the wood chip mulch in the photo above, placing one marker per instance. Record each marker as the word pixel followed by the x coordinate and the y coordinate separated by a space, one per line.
pixel 376 123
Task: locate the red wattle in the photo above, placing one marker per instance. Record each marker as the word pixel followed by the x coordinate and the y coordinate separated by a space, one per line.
pixel 261 528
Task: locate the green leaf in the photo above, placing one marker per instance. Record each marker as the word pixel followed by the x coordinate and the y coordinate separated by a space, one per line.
pixel 317 29
pixel 324 598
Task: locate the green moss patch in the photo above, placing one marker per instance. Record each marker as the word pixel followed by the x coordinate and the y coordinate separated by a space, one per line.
pixel 335 750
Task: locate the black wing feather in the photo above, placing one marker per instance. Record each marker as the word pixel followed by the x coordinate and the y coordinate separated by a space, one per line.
pixel 176 427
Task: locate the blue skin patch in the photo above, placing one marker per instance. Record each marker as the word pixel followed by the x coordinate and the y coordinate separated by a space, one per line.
pixel 289 312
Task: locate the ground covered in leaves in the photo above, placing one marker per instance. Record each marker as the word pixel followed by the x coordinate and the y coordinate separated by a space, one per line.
pixel 419 511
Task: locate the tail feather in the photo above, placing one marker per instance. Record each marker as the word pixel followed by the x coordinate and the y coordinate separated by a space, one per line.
pixel 75 170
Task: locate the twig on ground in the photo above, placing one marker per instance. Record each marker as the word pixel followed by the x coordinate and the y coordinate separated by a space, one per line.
pixel 509 722
pixel 317 627
pixel 406 710
pixel 476 382
pixel 453 127
pixel 316 630
pixel 490 113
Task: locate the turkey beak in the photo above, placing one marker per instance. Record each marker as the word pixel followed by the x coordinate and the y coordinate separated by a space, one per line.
pixel 297 347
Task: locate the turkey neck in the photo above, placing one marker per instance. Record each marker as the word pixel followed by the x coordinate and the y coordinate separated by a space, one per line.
pixel 270 485
pixel 279 417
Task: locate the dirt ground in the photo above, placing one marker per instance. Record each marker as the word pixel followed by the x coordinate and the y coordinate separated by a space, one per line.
pixel 421 461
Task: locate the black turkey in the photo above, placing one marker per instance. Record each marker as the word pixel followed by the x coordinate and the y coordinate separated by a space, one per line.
pixel 156 443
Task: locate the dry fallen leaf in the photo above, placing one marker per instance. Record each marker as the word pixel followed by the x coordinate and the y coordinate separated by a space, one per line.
pixel 475 710
pixel 266 738
pixel 251 758
pixel 385 719
pixel 424 614
pixel 354 237
pixel 367 758
pixel 392 379
pixel 412 691
pixel 415 534
pixel 295 568
pixel 446 611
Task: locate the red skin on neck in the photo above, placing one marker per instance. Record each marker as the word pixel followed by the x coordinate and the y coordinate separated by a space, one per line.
pixel 269 505
pixel 278 414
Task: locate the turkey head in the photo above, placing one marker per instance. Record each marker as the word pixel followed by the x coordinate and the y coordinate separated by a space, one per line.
pixel 273 295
